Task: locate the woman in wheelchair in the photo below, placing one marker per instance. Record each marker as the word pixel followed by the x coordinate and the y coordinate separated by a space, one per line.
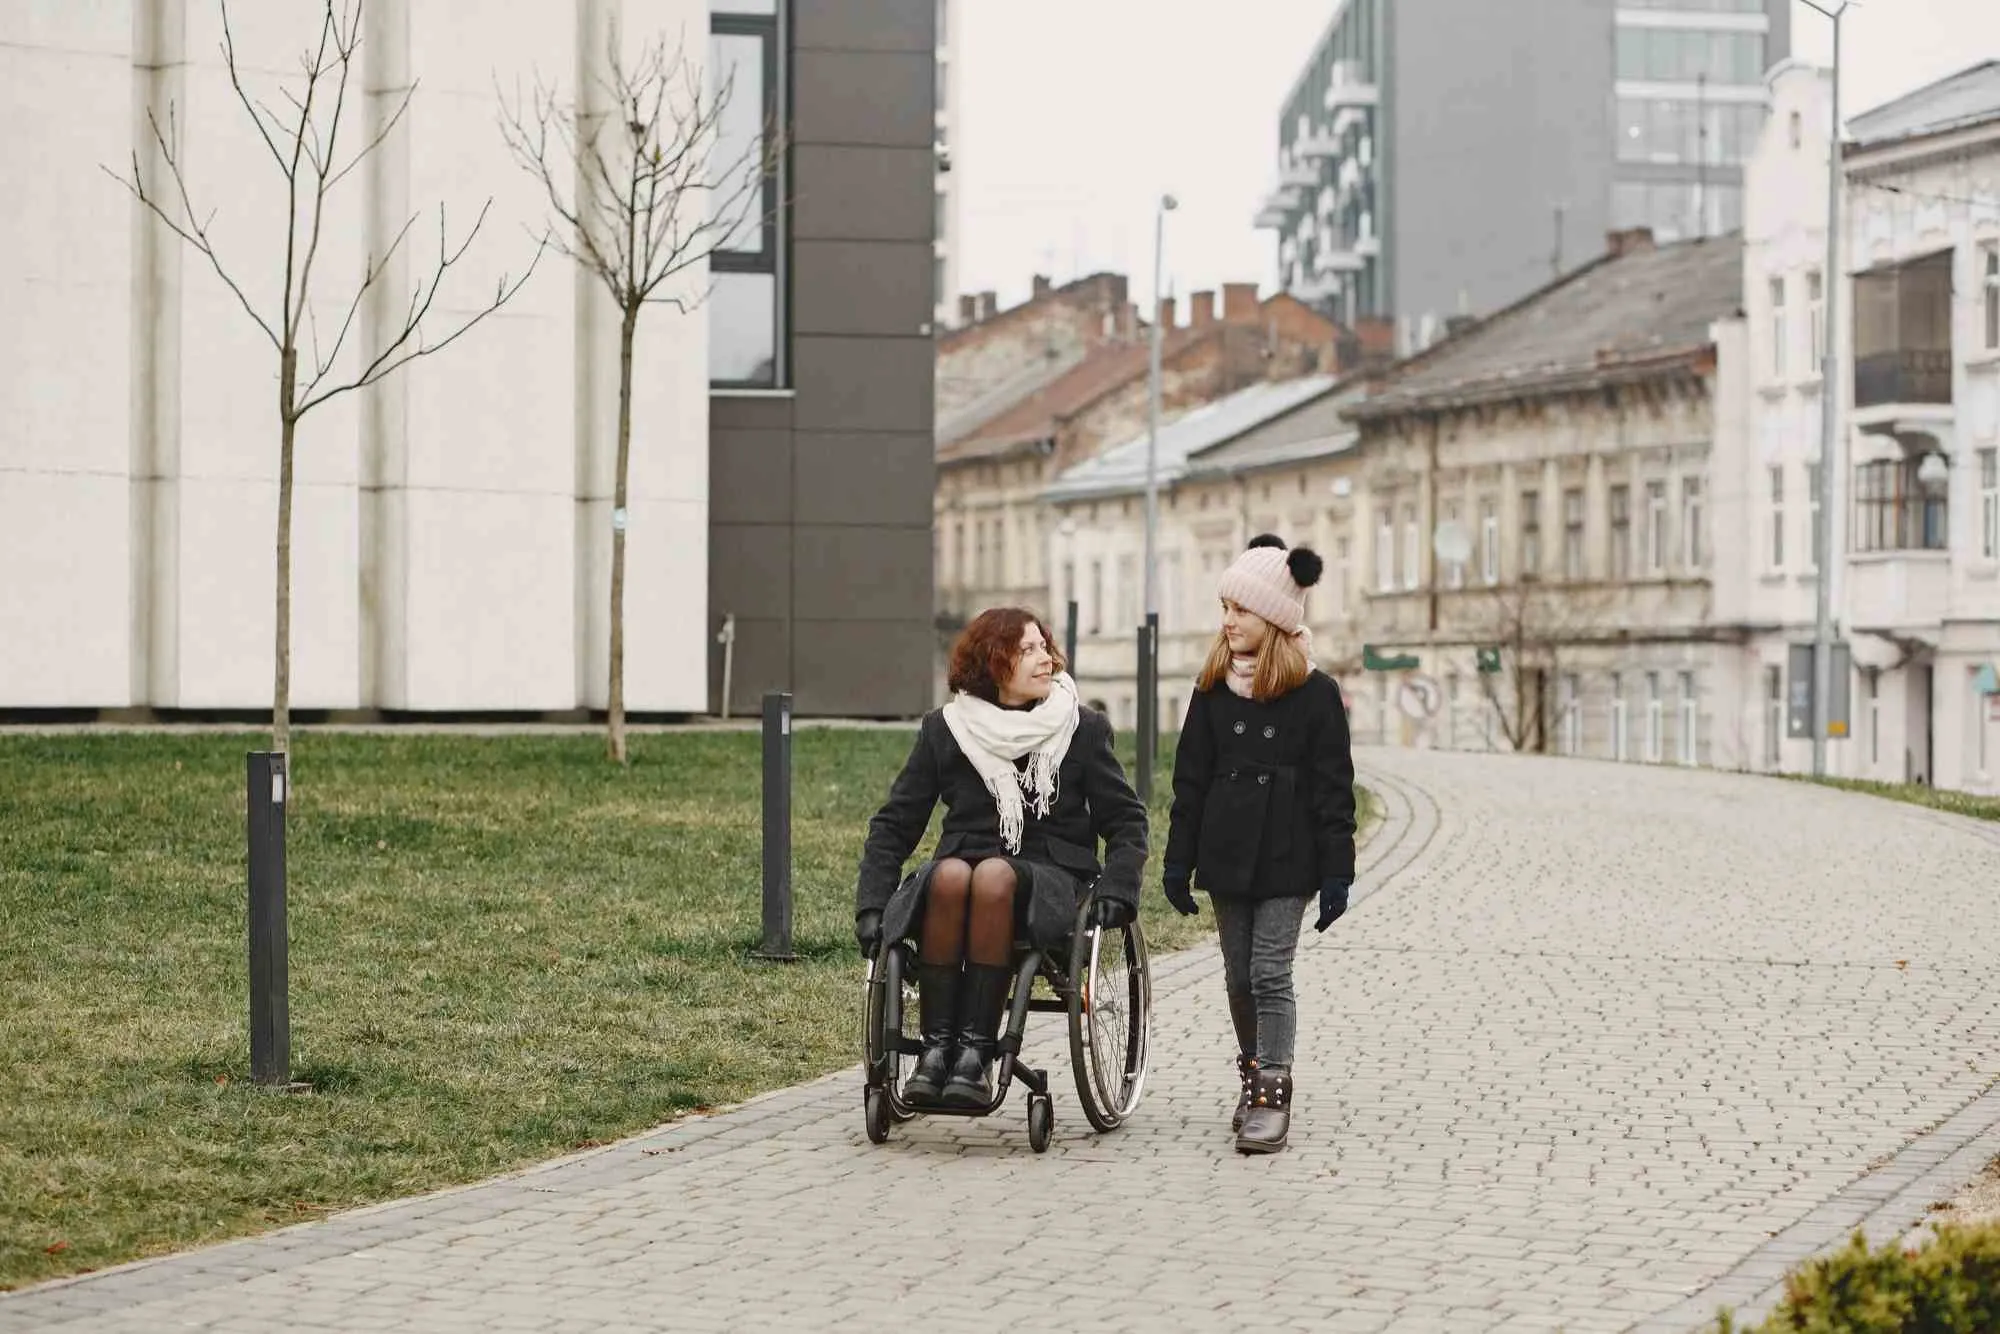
pixel 1029 784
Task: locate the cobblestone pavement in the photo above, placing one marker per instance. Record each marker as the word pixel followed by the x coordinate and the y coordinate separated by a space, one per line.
pixel 1598 1048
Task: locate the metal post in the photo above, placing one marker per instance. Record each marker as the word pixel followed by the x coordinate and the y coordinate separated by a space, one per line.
pixel 1148 682
pixel 777 944
pixel 1822 700
pixel 1153 698
pixel 1144 729
pixel 1069 636
pixel 728 641
pixel 270 1011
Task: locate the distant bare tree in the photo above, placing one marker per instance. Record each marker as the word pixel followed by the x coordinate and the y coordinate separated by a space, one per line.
pixel 638 204
pixel 305 143
pixel 1533 624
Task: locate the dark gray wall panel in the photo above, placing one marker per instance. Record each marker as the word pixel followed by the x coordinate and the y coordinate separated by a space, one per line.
pixel 749 476
pixel 863 194
pixel 750 570
pixel 864 669
pixel 749 412
pixel 763 662
pixel 883 98
pixel 865 25
pixel 862 287
pixel 863 573
pixel 878 478
pixel 863 384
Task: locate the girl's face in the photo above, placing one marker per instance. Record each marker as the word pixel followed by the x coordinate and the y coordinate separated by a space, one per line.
pixel 1246 631
pixel 1034 674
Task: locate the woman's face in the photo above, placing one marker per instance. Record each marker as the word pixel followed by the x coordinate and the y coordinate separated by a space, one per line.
pixel 1246 631
pixel 1034 674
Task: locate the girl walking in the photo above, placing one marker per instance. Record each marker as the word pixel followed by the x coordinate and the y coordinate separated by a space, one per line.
pixel 1263 815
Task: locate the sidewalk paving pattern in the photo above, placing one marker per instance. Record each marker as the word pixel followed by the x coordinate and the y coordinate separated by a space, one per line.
pixel 1599 1047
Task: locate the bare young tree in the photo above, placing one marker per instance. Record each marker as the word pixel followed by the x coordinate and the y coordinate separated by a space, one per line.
pixel 639 199
pixel 305 142
pixel 1532 625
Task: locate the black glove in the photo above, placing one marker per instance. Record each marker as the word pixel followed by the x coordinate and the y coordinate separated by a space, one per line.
pixel 868 931
pixel 1109 913
pixel 1332 902
pixel 1182 898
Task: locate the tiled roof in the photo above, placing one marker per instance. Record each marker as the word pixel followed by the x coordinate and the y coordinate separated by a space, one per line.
pixel 1254 449
pixel 1122 469
pixel 1617 315
pixel 1965 98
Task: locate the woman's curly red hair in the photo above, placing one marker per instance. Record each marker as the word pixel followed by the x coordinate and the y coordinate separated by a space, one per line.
pixel 987 650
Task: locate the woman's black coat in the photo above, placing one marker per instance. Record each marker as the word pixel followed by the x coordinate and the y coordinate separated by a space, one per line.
pixel 1263 793
pixel 1093 801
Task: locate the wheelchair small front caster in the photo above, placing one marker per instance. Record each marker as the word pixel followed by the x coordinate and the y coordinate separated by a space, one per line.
pixel 875 1103
pixel 1041 1121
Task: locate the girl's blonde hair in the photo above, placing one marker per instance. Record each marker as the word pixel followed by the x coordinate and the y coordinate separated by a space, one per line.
pixel 1281 666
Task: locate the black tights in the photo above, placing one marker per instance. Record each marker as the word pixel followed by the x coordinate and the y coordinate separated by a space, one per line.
pixel 969 913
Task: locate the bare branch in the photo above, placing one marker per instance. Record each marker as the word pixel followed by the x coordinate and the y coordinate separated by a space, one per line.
pixel 371 272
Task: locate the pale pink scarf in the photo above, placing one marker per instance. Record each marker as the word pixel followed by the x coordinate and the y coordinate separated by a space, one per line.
pixel 1243 666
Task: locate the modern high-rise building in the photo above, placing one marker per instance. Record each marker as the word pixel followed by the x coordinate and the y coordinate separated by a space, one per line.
pixel 1444 157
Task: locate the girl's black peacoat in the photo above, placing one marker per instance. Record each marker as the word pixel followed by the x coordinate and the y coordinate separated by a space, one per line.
pixel 1263 793
pixel 1058 857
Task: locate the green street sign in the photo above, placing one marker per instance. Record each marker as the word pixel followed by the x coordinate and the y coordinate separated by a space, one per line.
pixel 1488 660
pixel 1372 661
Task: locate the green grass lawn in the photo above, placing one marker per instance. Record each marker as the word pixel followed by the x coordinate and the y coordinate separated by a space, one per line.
pixel 502 949
pixel 1917 794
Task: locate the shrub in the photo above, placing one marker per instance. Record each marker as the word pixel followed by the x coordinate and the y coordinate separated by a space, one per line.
pixel 1949 1286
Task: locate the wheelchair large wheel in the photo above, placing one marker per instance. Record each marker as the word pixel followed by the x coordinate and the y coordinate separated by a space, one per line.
pixel 883 1006
pixel 1110 1020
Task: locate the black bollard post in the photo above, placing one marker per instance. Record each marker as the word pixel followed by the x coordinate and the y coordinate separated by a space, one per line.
pixel 1153 682
pixel 1144 728
pixel 777 944
pixel 270 1010
pixel 1069 636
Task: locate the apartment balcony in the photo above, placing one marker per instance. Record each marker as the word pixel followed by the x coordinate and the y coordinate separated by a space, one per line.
pixel 1299 175
pixel 1339 256
pixel 1318 145
pixel 1315 288
pixel 1349 86
pixel 1279 208
pixel 1902 348
pixel 1907 593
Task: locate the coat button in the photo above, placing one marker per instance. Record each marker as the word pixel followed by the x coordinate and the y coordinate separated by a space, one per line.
pixel 1239 729
pixel 1270 732
pixel 1263 779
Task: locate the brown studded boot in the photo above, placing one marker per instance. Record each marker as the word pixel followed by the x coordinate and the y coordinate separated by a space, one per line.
pixel 1268 1120
pixel 1246 1070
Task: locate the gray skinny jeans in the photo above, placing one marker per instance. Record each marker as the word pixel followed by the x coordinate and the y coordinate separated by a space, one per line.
pixel 1259 938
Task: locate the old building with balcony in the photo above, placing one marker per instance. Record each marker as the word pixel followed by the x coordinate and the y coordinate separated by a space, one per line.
pixel 1915 523
pixel 1534 492
pixel 1422 176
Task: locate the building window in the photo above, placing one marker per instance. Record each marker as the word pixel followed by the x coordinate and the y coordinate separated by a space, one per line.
pixel 1096 621
pixel 746 344
pixel 1893 511
pixel 1774 716
pixel 1691 554
pixel 1531 534
pixel 1620 740
pixel 1385 551
pixel 1342 555
pixel 1778 328
pixel 1656 528
pixel 1685 732
pixel 1989 503
pixel 1489 542
pixel 1777 518
pixel 1656 717
pixel 1684 55
pixel 1989 264
pixel 1572 714
pixel 1451 710
pixel 1979 723
pixel 1874 683
pixel 1620 529
pixel 1069 584
pixel 1413 552
pixel 1128 592
pixel 1454 571
pixel 1816 311
pixel 1573 534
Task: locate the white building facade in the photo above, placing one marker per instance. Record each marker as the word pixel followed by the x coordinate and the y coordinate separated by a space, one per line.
pixel 452 524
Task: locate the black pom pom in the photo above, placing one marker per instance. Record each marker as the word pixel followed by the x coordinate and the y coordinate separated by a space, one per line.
pixel 1266 540
pixel 1305 565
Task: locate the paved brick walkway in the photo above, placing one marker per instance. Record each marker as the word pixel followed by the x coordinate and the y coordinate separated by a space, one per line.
pixel 1599 1048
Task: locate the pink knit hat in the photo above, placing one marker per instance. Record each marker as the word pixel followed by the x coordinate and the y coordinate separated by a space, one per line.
pixel 1272 582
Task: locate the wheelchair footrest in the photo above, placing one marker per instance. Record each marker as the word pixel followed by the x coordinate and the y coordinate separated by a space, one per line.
pixel 908 1046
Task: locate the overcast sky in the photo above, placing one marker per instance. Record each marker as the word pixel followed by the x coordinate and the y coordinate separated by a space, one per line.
pixel 1076 114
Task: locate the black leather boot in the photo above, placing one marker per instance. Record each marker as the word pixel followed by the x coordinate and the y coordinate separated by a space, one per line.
pixel 938 985
pixel 971 1081
pixel 1246 1070
pixel 1269 1118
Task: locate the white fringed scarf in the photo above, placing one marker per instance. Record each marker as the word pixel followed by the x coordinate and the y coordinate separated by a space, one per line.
pixel 994 738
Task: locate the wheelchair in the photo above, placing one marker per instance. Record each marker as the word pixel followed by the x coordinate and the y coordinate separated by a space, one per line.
pixel 1103 986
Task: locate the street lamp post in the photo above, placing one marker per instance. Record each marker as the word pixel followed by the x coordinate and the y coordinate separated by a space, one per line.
pixel 1829 413
pixel 1149 633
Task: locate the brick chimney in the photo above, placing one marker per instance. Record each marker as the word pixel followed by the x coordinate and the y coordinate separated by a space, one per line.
pixel 1042 285
pixel 1239 303
pixel 989 305
pixel 1201 310
pixel 1166 313
pixel 968 310
pixel 1628 242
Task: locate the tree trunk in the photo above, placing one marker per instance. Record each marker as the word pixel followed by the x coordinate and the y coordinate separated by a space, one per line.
pixel 281 686
pixel 627 329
